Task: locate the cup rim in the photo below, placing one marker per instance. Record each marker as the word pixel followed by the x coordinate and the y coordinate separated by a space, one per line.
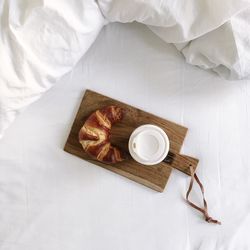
pixel 140 129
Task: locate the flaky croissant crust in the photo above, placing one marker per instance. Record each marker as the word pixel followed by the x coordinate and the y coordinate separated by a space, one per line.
pixel 95 134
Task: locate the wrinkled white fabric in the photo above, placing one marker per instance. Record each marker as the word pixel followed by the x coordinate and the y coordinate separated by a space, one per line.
pixel 226 50
pixel 177 21
pixel 39 42
pixel 212 32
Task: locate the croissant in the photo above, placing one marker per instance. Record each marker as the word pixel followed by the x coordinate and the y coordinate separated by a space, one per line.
pixel 95 135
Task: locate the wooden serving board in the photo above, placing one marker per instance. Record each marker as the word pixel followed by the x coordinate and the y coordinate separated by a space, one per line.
pixel 155 176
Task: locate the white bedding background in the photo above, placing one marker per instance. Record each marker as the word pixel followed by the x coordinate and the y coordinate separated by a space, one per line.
pixel 54 201
pixel 41 40
pixel 51 200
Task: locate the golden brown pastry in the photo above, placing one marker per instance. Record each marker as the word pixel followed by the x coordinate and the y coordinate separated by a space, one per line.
pixel 95 135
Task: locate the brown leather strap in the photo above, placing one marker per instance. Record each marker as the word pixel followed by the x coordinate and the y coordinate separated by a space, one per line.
pixel 202 210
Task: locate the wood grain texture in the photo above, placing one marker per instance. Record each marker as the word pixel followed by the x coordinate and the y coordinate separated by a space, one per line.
pixel 155 176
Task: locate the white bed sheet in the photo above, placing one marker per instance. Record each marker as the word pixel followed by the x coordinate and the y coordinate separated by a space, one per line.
pixel 51 200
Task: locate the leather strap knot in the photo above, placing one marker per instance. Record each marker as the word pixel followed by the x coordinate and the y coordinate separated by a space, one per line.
pixel 204 210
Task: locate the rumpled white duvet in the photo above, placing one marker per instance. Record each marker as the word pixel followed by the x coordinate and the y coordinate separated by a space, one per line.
pixel 41 40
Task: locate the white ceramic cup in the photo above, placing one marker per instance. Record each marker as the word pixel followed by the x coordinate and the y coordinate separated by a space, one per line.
pixel 148 144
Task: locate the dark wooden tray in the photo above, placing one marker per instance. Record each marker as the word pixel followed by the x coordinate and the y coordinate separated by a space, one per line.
pixel 155 176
